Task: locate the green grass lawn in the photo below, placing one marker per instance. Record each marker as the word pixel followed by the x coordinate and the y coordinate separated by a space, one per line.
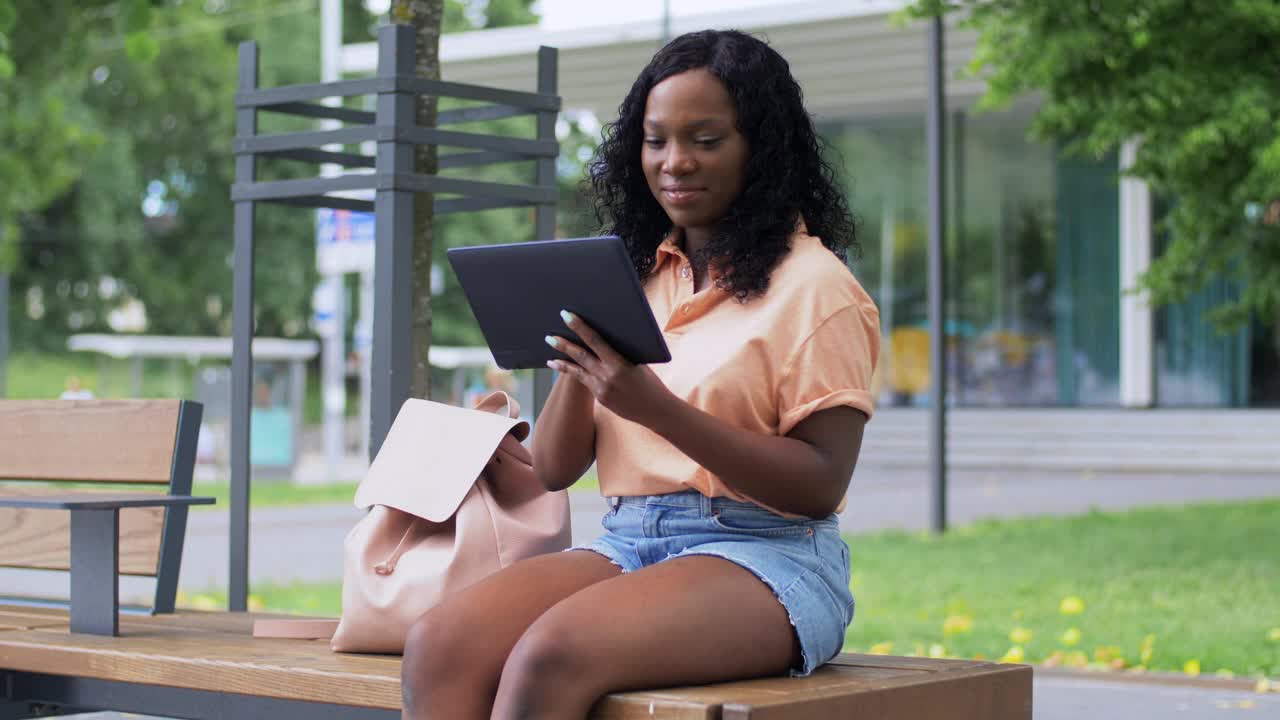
pixel 272 494
pixel 1175 589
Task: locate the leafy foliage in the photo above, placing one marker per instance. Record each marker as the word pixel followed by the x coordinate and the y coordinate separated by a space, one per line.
pixel 117 122
pixel 1198 84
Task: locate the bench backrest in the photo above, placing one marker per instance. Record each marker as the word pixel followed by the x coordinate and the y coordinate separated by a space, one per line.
pixel 96 445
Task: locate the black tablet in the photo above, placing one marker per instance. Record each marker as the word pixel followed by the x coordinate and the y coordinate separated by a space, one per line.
pixel 518 290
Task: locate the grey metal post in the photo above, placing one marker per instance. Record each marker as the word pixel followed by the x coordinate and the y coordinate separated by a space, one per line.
pixel 936 140
pixel 4 334
pixel 174 534
pixel 393 243
pixel 242 344
pixel 956 141
pixel 95 584
pixel 545 176
pixel 297 394
pixel 135 376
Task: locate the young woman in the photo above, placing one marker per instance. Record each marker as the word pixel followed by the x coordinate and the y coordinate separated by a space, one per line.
pixel 722 557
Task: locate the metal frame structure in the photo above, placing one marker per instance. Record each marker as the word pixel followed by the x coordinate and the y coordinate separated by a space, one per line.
pixel 936 139
pixel 392 126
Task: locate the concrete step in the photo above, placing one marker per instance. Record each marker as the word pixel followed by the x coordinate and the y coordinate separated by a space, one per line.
pixel 1084 439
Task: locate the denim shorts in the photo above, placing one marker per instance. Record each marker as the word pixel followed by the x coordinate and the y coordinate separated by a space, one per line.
pixel 805 562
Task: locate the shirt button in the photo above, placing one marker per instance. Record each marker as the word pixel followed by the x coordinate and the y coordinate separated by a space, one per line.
pixel 684 272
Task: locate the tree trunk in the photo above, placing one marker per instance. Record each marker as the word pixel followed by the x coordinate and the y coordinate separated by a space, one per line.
pixel 425 16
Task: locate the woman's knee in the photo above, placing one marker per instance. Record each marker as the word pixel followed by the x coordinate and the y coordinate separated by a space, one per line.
pixel 554 651
pixel 434 652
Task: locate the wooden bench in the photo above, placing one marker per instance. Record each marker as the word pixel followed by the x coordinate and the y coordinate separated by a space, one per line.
pixel 99 443
pixel 208 664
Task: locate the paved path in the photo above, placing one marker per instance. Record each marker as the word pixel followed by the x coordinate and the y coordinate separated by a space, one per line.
pixel 1059 698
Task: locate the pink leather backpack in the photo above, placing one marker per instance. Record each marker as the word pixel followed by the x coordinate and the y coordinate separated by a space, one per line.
pixel 453 499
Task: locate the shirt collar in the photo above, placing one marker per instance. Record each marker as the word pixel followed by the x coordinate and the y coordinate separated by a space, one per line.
pixel 670 248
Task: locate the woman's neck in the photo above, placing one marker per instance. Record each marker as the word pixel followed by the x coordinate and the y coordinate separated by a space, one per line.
pixel 696 240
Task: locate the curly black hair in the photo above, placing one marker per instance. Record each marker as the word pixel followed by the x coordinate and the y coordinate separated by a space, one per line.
pixel 787 176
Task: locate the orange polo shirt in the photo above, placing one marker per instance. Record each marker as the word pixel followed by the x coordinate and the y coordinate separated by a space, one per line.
pixel 809 343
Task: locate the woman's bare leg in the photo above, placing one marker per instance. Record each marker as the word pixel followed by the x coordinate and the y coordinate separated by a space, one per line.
pixel 454 653
pixel 690 620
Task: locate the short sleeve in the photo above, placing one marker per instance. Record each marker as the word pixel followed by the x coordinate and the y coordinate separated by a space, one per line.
pixel 832 367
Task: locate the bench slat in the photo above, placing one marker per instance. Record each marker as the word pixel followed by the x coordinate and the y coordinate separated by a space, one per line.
pixel 109 440
pixel 978 691
pixel 24 621
pixel 42 538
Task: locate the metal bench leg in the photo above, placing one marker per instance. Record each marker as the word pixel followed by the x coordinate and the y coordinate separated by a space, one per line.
pixel 95 582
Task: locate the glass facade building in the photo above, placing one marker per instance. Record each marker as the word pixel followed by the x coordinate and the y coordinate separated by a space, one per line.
pixel 1033 285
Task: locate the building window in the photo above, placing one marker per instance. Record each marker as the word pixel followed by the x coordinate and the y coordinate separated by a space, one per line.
pixel 1032 307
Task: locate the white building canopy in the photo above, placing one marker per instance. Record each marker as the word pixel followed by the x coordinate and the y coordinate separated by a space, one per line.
pixel 848 55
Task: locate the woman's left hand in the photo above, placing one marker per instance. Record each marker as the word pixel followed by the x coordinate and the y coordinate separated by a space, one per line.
pixel 633 392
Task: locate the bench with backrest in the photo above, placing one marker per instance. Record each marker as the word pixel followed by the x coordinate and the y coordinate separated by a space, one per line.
pixel 208 664
pixel 63 463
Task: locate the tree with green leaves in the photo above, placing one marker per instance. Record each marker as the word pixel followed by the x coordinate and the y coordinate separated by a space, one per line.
pixel 118 165
pixel 43 66
pixel 1195 84
pixel 140 211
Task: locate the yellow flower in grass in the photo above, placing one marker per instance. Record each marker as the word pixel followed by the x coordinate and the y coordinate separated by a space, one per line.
pixel 1014 654
pixel 1071 605
pixel 1106 653
pixel 1077 659
pixel 1191 667
pixel 1274 634
pixel 1071 637
pixel 936 650
pixel 254 603
pixel 957 624
pixel 1263 685
pixel 1020 636
pixel 881 648
pixel 1147 647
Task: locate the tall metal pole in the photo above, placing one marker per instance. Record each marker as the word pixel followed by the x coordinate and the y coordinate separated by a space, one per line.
pixel 242 343
pixel 666 22
pixel 393 241
pixel 545 175
pixel 936 140
pixel 333 353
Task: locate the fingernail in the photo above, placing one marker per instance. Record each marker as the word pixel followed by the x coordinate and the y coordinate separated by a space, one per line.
pixel 551 364
pixel 566 316
pixel 552 341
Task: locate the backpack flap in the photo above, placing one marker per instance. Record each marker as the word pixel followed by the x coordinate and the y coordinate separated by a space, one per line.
pixel 432 456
